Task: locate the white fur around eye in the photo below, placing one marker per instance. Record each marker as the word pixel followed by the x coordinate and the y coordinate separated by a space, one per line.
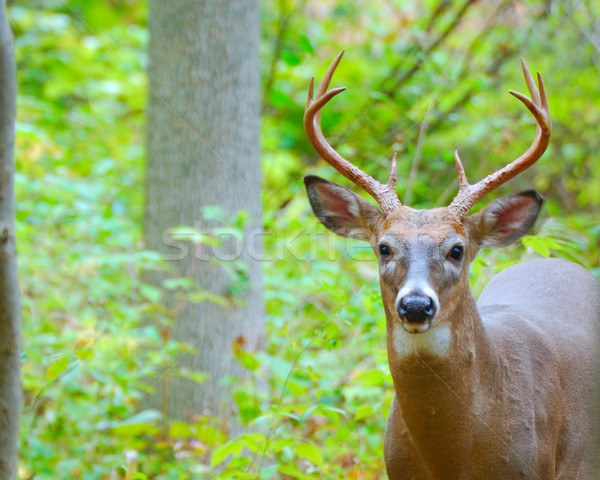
pixel 387 268
pixel 453 268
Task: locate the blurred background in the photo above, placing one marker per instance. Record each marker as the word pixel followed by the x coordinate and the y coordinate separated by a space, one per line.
pixel 422 78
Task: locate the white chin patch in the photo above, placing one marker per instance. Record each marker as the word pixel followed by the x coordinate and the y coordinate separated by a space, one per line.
pixel 422 340
pixel 416 327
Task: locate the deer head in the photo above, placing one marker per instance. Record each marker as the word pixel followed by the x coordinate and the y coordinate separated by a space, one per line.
pixel 424 254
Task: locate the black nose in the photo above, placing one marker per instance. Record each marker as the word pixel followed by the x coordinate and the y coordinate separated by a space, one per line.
pixel 416 308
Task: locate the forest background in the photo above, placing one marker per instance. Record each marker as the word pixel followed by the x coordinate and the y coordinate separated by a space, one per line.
pixel 424 78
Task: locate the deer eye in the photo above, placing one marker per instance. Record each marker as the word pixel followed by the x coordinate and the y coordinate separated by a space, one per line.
pixel 384 251
pixel 456 252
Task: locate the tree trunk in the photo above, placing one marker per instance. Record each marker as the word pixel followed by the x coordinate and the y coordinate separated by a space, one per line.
pixel 10 312
pixel 203 149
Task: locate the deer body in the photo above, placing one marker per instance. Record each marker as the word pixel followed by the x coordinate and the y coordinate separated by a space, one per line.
pixel 507 399
pixel 495 390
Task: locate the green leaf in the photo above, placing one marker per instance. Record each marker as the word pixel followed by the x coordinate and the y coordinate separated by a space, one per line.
pixel 183 283
pixel 220 454
pixel 56 368
pixel 541 245
pixel 142 422
pixel 150 293
pixel 339 411
pixel 370 378
pixel 184 233
pixel 85 353
pixel 247 359
pixel 247 405
pixel 291 58
pixel 364 411
pixel 280 99
pixel 180 430
pixel 198 377
pixel 305 44
pixel 310 452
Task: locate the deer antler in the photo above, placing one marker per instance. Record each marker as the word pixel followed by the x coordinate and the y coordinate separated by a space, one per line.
pixel 468 195
pixel 385 194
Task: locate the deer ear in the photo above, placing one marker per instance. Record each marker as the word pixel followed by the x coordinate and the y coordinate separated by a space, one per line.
pixel 340 210
pixel 507 219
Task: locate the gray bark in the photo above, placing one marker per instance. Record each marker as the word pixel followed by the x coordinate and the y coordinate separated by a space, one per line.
pixel 10 313
pixel 203 149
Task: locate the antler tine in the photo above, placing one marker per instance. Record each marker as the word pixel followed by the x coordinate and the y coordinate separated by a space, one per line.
pixel 384 194
pixel 329 73
pixel 311 91
pixel 468 195
pixel 462 176
pixel 535 94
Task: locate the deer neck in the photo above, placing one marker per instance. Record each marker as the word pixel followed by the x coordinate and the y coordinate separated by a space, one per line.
pixel 438 381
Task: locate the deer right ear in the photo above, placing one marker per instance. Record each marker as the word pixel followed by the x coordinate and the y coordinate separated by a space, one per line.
pixel 507 219
pixel 340 210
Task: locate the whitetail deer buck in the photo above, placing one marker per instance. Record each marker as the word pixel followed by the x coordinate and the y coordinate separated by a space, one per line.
pixel 498 389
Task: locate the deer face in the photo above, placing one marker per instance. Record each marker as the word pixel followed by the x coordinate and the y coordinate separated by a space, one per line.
pixel 422 262
pixel 423 255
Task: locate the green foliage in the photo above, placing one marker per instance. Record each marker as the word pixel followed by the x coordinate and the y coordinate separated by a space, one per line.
pixel 414 72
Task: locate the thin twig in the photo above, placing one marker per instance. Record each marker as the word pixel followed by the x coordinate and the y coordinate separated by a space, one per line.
pixel 428 51
pixel 285 18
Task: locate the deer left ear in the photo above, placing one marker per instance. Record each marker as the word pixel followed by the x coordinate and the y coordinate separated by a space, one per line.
pixel 340 210
pixel 507 219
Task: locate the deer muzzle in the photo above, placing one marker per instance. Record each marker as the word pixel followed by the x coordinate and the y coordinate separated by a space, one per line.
pixel 416 311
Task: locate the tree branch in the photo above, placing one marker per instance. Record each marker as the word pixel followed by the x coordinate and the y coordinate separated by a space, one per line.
pixel 438 11
pixel 284 21
pixel 430 48
pixel 10 311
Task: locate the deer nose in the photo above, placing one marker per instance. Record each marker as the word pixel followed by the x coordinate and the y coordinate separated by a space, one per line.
pixel 416 308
